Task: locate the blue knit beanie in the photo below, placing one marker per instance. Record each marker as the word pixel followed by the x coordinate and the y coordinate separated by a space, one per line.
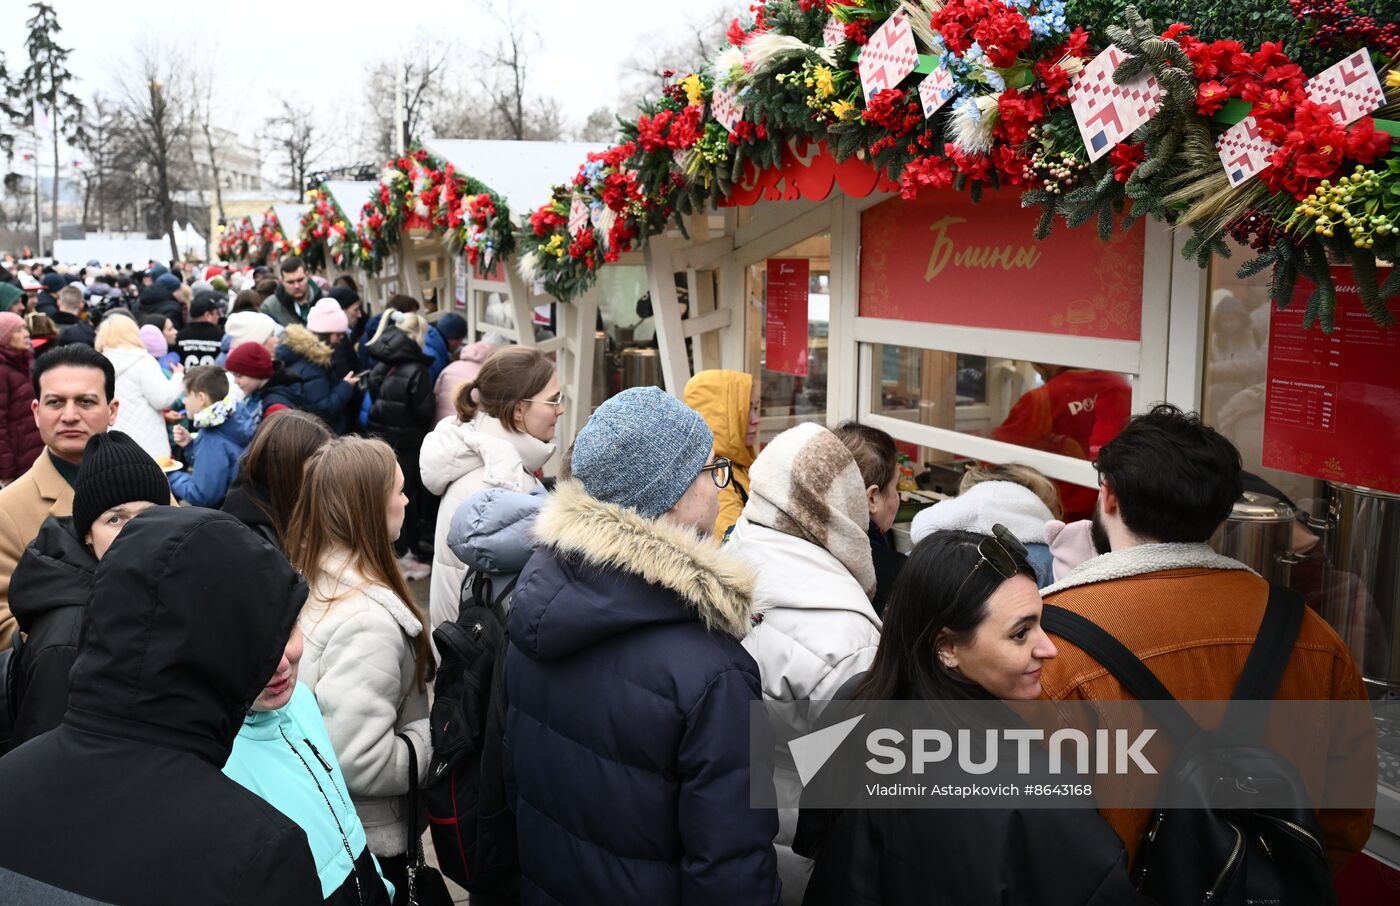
pixel 642 449
pixel 168 281
pixel 452 326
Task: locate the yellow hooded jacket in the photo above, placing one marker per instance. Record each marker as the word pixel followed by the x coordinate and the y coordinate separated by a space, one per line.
pixel 722 398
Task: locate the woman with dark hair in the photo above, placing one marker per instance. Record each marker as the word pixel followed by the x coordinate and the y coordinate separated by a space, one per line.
pixel 878 460
pixel 964 624
pixel 270 479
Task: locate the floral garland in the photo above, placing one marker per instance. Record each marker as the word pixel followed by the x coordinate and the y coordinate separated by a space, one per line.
pixel 326 232
pixel 417 192
pixel 237 240
pixel 1009 124
pixel 271 242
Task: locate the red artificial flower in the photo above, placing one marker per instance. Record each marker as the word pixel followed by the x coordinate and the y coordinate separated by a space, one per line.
pixel 735 35
pixel 1010 164
pixel 1175 31
pixel 1076 45
pixel 1210 97
pixel 651 130
pixel 1056 82
pixel 1017 114
pixel 933 172
pixel 885 108
pixel 1364 143
pixel 858 32
pixel 1003 36
pixel 1125 158
pixel 544 221
pixel 976 167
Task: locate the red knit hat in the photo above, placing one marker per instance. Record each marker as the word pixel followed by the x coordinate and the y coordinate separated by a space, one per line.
pixel 250 360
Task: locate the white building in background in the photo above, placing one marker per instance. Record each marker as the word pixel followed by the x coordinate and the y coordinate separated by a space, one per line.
pixel 239 164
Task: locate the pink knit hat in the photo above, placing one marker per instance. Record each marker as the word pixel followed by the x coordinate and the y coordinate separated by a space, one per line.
pixel 9 323
pixel 326 316
pixel 1070 545
pixel 154 340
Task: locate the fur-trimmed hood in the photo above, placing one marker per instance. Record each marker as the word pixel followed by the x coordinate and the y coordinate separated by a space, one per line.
pixel 1143 559
pixel 711 582
pixel 300 343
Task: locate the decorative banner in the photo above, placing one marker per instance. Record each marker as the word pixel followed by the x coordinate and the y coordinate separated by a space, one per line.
pixel 1108 112
pixel 807 170
pixel 1332 407
pixel 1351 88
pixel 726 107
pixel 935 90
pixel 785 315
pixel 578 216
pixel 833 33
pixel 1243 151
pixel 888 57
pixel 941 259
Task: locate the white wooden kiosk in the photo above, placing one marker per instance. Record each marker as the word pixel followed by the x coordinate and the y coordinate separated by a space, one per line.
pixel 523 173
pixel 289 220
pixel 899 373
pixel 350 197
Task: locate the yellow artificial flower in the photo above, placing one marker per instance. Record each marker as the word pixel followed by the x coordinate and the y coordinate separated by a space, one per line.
pixel 555 245
pixel 694 88
pixel 825 87
pixel 1392 78
pixel 843 110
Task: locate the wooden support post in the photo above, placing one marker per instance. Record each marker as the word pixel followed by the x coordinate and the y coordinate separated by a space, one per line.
pixel 665 306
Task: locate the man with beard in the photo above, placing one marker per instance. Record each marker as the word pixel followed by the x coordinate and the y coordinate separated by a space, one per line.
pixel 294 297
pixel 1166 483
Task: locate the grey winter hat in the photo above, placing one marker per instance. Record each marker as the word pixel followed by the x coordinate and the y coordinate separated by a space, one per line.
pixel 642 449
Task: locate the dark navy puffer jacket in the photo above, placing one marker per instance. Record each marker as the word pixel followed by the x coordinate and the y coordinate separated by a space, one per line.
pixel 628 694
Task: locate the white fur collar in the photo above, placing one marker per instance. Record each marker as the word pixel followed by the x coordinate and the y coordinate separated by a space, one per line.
pixel 1144 559
pixel 345 580
pixel 716 584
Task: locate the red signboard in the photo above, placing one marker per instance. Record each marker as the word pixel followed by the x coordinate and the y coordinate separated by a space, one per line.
pixel 785 319
pixel 941 259
pixel 808 170
pixel 1333 404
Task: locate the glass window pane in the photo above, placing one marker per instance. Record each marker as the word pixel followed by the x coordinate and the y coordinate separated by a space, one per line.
pixel 1236 365
pixel 787 398
pixel 1069 411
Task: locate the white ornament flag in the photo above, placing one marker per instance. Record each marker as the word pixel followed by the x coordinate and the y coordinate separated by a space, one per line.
pixel 1244 151
pixel 935 90
pixel 833 33
pixel 1351 89
pixel 578 217
pixel 1107 112
pixel 726 107
pixel 888 56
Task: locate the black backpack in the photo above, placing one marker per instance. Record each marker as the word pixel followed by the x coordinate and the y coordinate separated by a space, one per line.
pixel 472 824
pixel 1214 854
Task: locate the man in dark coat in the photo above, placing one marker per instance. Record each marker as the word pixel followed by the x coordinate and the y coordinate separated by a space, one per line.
pixel 125 802
pixel 159 299
pixel 627 690
pixel 47 302
pixel 295 294
pixel 199 343
pixel 71 326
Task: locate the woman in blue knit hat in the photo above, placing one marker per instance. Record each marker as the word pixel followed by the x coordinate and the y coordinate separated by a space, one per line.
pixel 625 668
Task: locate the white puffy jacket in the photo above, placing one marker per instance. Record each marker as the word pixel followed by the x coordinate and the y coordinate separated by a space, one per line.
pixel 818 630
pixel 144 392
pixel 358 660
pixel 457 460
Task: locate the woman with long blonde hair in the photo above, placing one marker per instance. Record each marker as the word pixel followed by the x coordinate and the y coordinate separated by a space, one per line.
pixel 142 388
pixel 367 658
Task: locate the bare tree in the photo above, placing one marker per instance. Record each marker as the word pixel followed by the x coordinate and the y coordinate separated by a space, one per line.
pixel 508 68
pixel 682 49
pixel 202 113
pixel 298 141
pixel 601 126
pixel 425 67
pixel 156 120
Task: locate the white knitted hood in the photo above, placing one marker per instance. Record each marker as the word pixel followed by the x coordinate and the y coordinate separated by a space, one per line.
pixel 984 505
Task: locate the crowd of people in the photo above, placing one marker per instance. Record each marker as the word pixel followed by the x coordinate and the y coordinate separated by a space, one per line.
pixel 218 488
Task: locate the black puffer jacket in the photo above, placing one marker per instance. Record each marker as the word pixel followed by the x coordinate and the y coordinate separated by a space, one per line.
pixel 402 391
pixel 48 596
pixel 157 300
pixel 125 802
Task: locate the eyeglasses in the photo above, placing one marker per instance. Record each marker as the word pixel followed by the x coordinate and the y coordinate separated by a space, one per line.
pixel 557 404
pixel 1000 551
pixel 723 471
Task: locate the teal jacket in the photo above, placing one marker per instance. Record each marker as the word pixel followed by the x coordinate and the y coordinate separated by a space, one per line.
pixel 283 756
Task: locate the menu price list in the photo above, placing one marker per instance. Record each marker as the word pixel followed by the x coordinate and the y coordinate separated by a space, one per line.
pixel 785 315
pixel 1333 400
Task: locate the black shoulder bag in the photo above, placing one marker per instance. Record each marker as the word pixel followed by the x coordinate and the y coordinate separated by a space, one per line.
pixel 1221 852
pixel 425 885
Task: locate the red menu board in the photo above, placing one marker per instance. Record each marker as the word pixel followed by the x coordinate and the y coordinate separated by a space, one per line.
pixel 785 319
pixel 1333 402
pixel 943 259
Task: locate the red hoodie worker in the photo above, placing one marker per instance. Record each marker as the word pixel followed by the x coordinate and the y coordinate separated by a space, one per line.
pixel 1074 413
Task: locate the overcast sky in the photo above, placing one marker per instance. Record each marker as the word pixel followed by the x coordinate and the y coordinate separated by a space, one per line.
pixel 318 50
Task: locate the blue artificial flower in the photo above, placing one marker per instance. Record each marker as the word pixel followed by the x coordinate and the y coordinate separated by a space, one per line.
pixel 968 105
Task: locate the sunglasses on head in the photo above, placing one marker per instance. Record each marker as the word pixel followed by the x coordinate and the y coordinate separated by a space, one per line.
pixel 1001 551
